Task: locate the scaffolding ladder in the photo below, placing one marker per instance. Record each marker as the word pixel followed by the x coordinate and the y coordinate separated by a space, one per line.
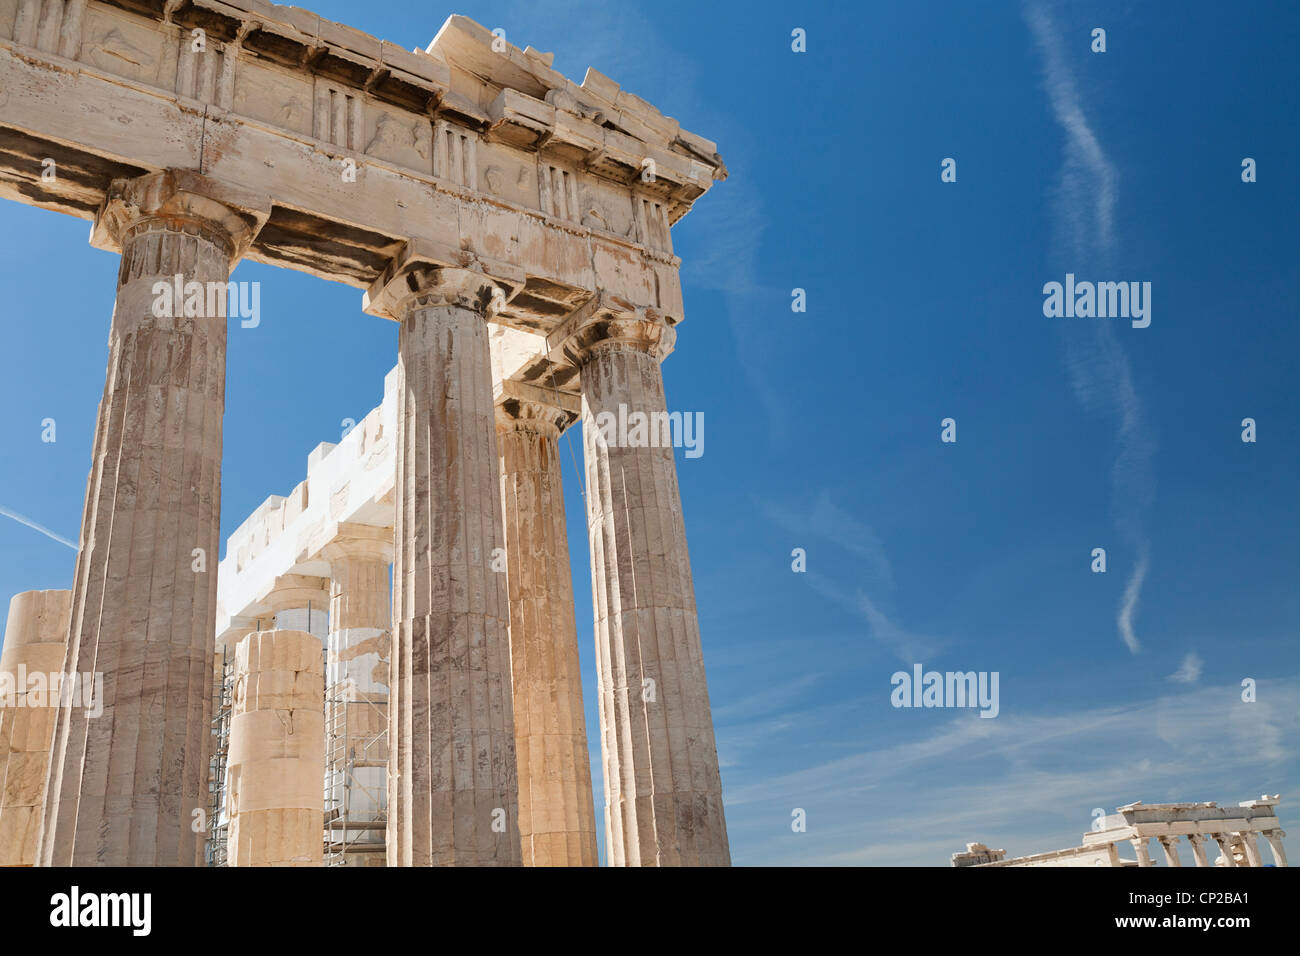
pixel 222 710
pixel 346 751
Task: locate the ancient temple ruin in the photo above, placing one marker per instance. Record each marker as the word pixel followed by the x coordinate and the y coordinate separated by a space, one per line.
pixel 1236 831
pixel 518 227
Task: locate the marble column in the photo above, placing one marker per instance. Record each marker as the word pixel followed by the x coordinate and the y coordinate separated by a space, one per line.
pixel 1170 846
pixel 452 796
pixel 1274 838
pixel 36 638
pixel 1250 848
pixel 128 789
pixel 557 821
pixel 360 643
pixel 274 797
pixel 663 791
pixel 1225 847
pixel 1140 847
pixel 299 602
pixel 1197 841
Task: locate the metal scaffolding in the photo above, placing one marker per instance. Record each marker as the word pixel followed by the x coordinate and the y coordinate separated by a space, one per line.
pixel 222 709
pixel 349 748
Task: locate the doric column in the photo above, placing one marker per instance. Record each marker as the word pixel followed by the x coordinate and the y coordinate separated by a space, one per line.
pixel 1274 838
pixel 557 821
pixel 360 643
pixel 36 638
pixel 452 795
pixel 663 792
pixel 299 602
pixel 1140 847
pixel 124 789
pixel 277 751
pixel 1170 846
pixel 1197 840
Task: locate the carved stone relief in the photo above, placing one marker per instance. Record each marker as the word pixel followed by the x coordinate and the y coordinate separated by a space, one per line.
pixel 405 139
pixel 274 96
pixel 121 46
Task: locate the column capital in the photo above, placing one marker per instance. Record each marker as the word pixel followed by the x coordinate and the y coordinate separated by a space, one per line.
pixel 524 407
pixel 611 323
pixel 291 591
pixel 239 628
pixel 350 539
pixel 180 199
pixel 427 275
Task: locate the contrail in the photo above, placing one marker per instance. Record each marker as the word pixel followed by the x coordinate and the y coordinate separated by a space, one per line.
pixel 1085 159
pixel 1129 605
pixel 1099 369
pixel 36 527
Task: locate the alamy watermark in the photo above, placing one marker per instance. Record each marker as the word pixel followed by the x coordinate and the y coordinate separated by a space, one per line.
pixel 201 300
pixel 127 910
pixel 653 430
pixel 950 689
pixel 1101 300
pixel 39 689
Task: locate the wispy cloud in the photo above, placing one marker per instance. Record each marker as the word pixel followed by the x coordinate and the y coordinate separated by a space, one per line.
pixel 1089 180
pixel 1099 369
pixel 1128 606
pixel 23 519
pixel 904 644
pixel 1003 781
pixel 1189 671
pixel 829 522
pixel 866 562
pixel 767 700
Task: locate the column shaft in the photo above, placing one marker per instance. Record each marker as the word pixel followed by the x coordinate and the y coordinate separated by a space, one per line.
pixel 1224 841
pixel 1250 848
pixel 36 638
pixel 1140 847
pixel 1274 838
pixel 123 789
pixel 452 784
pixel 357 680
pixel 663 791
pixel 1170 846
pixel 277 751
pixel 557 822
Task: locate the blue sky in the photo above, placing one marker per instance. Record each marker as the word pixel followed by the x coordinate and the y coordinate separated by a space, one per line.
pixel 822 429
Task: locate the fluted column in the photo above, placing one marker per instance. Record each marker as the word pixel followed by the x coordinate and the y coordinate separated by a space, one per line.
pixel 36 638
pixel 452 787
pixel 663 791
pixel 1197 841
pixel 124 789
pixel 277 751
pixel 557 821
pixel 360 644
